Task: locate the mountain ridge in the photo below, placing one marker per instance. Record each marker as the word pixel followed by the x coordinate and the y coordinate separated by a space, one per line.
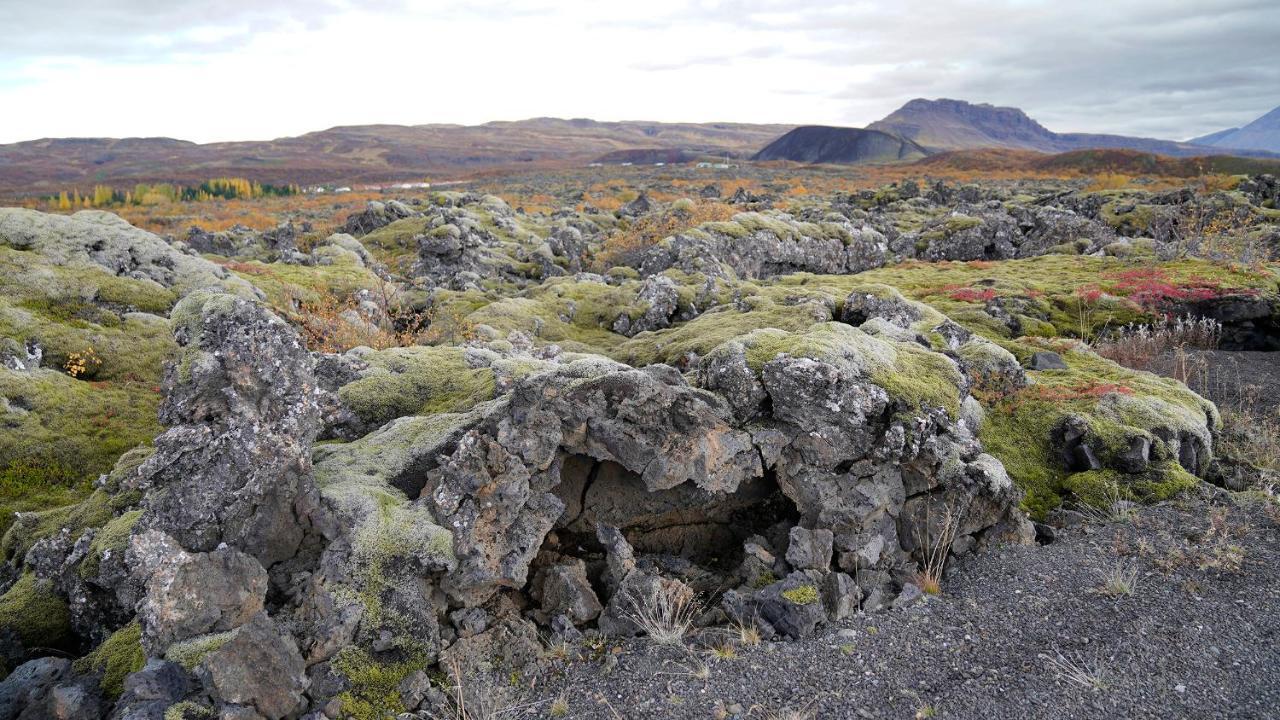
pixel 946 125
pixel 362 153
pixel 1261 134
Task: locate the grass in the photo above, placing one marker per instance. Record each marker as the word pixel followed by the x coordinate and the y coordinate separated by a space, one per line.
pixel 934 556
pixel 1119 579
pixel 665 611
pixel 1086 673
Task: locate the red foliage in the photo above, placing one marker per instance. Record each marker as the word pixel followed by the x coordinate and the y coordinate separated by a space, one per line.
pixel 964 293
pixel 1153 288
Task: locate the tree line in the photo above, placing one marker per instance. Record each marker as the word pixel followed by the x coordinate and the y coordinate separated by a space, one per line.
pixel 159 193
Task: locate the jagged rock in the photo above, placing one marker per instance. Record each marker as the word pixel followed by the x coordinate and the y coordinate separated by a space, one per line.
pixel 152 690
pixel 658 300
pixel 190 594
pixel 809 549
pixel 565 590
pixel 258 666
pixel 234 466
pixel 375 215
pixel 636 207
pixel 883 302
pixel 24 693
pixel 972 233
pixel 759 245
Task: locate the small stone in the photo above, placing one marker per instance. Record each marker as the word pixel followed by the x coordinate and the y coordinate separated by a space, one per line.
pixel 1179 688
pixel 1046 361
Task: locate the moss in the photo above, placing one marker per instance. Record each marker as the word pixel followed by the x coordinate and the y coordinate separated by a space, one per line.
pixel 417 381
pixel 922 378
pixel 110 538
pixel 1019 439
pixel 93 512
pixel 286 285
pixel 1161 481
pixel 188 710
pixel 375 686
pixel 34 611
pixel 395 540
pixel 117 656
pixel 1116 404
pixel 802 595
pixel 190 653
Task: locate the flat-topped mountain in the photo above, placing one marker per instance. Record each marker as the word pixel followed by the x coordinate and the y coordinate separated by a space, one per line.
pixel 956 124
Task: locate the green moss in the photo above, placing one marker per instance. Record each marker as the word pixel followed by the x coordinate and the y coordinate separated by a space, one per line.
pixel 922 378
pixel 117 656
pixel 1019 438
pixel 1100 488
pixel 375 686
pixel 94 511
pixel 764 580
pixel 112 537
pixel 802 595
pixel 417 381
pixel 188 710
pixel 190 653
pixel 1017 430
pixel 34 611
pixel 287 285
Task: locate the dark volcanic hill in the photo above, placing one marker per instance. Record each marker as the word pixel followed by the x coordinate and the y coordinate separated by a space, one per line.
pixel 940 125
pixel 1261 134
pixel 824 144
pixel 362 153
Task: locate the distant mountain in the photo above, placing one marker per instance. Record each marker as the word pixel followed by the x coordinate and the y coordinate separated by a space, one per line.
pixel 362 153
pixel 1261 134
pixel 941 125
pixel 823 144
pixel 957 125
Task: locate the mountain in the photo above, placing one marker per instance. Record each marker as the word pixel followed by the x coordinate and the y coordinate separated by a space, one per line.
pixel 362 153
pixel 1261 134
pixel 958 125
pixel 941 125
pixel 824 144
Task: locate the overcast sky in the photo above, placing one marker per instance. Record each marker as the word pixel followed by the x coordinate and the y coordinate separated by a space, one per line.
pixel 259 69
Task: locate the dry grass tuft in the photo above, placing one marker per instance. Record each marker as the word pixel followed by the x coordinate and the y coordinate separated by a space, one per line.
pixel 665 611
pixel 1088 674
pixel 1120 579
pixel 934 555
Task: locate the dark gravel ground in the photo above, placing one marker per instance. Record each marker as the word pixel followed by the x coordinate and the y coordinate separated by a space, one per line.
pixel 1198 637
pixel 1236 377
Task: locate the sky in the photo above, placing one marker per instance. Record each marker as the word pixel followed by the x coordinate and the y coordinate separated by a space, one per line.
pixel 269 68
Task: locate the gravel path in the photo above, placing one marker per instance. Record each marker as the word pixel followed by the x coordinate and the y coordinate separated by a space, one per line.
pixel 1198 636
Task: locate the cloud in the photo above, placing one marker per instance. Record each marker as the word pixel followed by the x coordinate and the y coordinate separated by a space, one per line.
pixel 1161 68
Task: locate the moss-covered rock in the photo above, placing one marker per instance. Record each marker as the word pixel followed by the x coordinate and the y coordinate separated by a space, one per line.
pixel 416 381
pixel 117 657
pixel 33 611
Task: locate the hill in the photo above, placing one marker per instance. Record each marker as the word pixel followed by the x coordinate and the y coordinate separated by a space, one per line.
pixel 1129 162
pixel 361 153
pixel 824 144
pixel 1261 134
